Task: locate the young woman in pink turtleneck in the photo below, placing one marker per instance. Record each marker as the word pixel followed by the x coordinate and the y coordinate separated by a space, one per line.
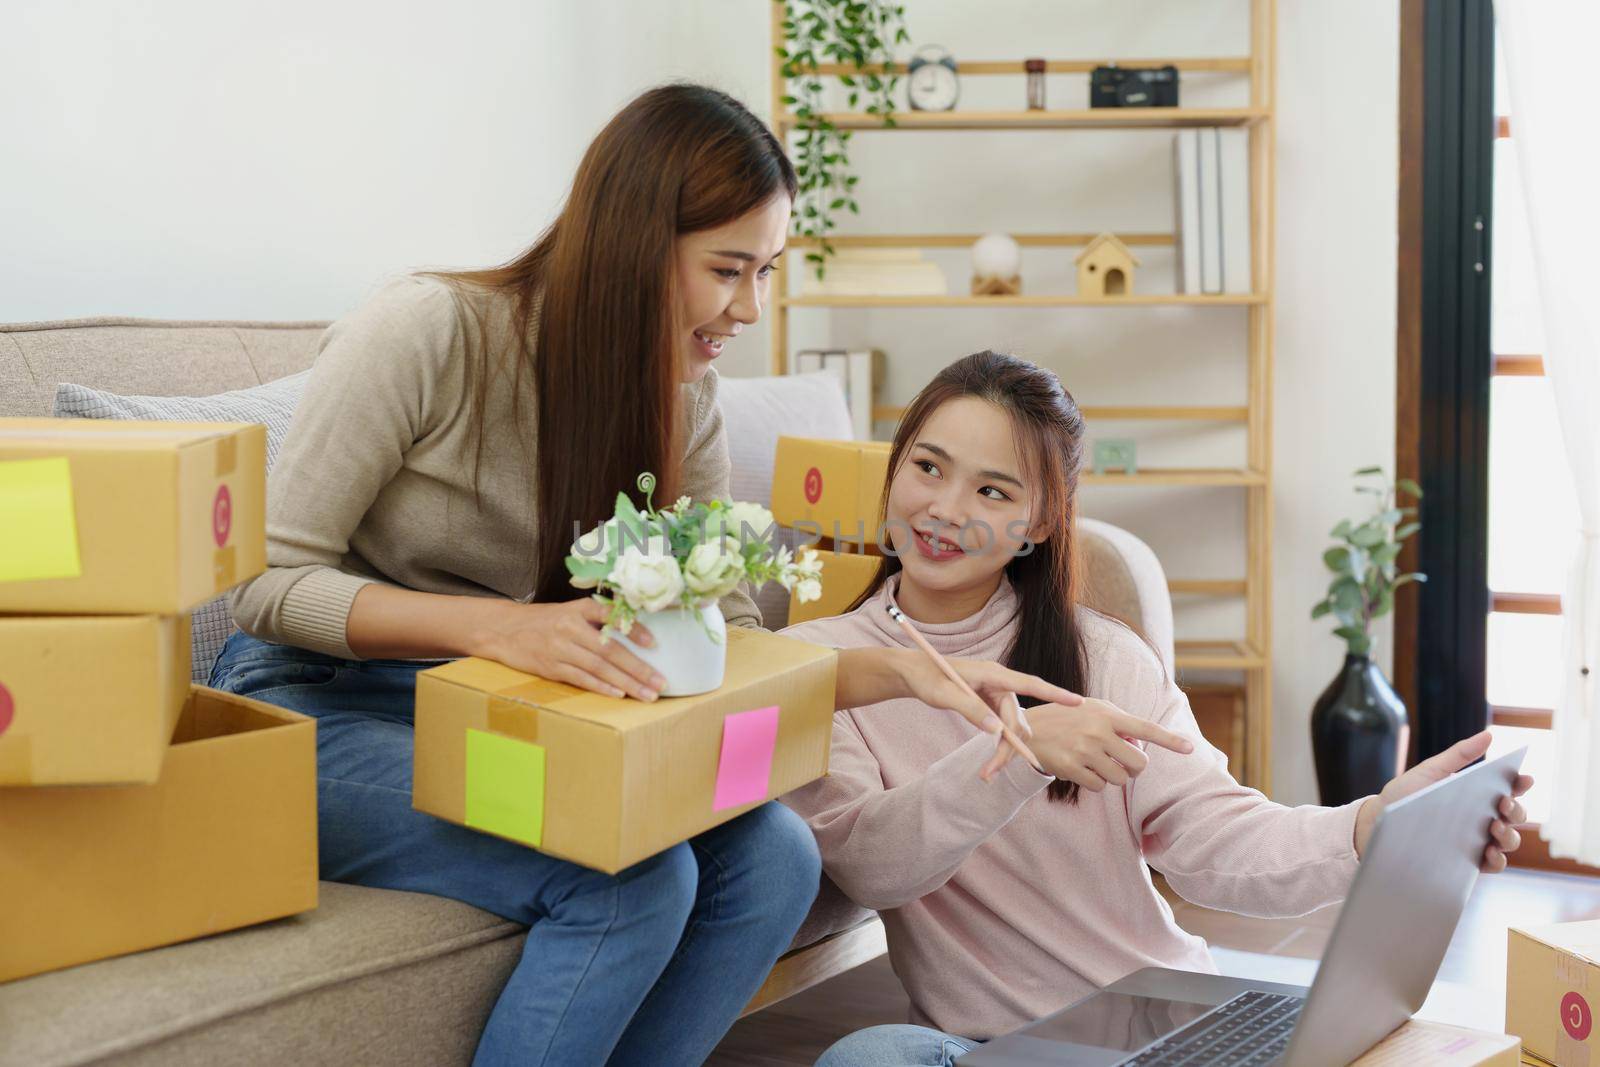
pixel 1007 893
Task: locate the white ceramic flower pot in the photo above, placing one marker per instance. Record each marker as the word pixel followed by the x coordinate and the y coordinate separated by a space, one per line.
pixel 684 652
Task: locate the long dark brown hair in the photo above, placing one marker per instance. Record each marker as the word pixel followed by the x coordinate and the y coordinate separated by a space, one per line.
pixel 678 159
pixel 1049 436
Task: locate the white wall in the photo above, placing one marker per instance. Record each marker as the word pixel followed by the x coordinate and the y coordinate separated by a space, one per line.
pixel 253 160
pixel 1338 182
pixel 274 160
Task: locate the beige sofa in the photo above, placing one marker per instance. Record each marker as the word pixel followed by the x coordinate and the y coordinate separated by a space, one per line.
pixel 370 976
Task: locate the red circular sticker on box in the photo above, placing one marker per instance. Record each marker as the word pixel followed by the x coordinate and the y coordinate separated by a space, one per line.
pixel 1576 1016
pixel 222 515
pixel 8 708
pixel 813 485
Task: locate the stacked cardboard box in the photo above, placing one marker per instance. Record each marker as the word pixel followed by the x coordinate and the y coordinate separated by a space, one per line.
pixel 833 490
pixel 135 809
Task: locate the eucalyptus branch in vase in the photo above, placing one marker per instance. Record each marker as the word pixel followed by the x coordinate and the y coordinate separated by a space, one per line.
pixel 1364 565
pixel 861 34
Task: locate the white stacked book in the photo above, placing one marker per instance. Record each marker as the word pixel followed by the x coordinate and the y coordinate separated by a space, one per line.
pixel 1211 214
pixel 859 374
pixel 875 272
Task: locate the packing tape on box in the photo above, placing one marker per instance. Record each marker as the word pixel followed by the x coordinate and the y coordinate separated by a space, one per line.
pixel 514 709
pixel 227 454
pixel 513 719
pixel 1572 972
pixel 1570 1053
pixel 16 758
pixel 224 566
pixel 1573 1035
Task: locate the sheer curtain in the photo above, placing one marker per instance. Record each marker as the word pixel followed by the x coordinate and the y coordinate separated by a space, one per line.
pixel 1548 51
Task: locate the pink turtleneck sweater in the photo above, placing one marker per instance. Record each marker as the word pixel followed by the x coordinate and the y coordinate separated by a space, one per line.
pixel 1002 906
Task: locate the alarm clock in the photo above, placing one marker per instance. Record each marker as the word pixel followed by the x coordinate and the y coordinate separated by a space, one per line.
pixel 931 84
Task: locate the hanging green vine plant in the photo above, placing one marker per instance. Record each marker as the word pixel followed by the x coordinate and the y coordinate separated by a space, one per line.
pixel 863 35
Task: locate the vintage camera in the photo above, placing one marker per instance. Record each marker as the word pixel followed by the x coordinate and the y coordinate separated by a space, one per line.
pixel 1133 87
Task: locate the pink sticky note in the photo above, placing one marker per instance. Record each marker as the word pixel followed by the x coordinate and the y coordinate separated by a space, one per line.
pixel 744 769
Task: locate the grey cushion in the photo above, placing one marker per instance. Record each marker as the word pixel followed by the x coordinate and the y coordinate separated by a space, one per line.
pixel 272 404
pixel 756 412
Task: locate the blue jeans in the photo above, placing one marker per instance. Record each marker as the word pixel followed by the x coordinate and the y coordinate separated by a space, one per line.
pixel 651 965
pixel 898 1045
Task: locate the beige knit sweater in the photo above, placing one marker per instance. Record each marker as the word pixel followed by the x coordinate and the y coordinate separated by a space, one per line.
pixel 374 480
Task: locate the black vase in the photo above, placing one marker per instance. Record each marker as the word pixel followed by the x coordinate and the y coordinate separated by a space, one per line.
pixel 1359 732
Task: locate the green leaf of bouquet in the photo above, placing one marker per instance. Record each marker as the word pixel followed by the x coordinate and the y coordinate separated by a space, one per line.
pixel 634 529
pixel 595 567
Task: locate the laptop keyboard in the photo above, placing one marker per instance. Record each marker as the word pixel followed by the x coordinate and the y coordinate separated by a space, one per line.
pixel 1251 1030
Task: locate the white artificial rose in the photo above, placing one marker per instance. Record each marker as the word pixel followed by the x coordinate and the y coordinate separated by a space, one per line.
pixel 714 569
pixel 649 580
pixel 593 547
pixel 746 521
pixel 593 544
pixel 808 590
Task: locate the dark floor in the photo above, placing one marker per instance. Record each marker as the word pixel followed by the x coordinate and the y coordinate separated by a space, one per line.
pixel 797 1030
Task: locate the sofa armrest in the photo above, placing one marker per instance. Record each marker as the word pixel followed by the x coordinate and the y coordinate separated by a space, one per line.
pixel 1123 579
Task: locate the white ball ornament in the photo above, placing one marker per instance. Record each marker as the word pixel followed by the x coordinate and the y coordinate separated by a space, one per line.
pixel 996 255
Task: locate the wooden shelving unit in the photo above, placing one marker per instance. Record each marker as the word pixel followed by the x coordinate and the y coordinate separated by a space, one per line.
pixel 1114 118
pixel 1250 655
pixel 1043 300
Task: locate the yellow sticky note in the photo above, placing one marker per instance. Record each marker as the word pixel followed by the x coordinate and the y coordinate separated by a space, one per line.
pixel 505 786
pixel 38 530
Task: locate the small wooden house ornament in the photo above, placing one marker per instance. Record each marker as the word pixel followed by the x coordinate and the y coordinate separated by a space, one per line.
pixel 1105 268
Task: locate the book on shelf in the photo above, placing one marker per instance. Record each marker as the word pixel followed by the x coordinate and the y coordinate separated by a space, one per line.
pixel 859 373
pixel 1233 156
pixel 1211 210
pixel 1186 210
pixel 876 272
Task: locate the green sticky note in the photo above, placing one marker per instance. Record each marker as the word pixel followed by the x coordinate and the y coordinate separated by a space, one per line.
pixel 505 786
pixel 38 530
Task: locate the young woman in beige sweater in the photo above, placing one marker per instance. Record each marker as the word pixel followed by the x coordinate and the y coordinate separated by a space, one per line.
pixel 456 432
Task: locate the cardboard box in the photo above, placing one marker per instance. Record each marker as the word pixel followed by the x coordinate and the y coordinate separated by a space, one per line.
pixel 1552 987
pixel 837 485
pixel 121 518
pixel 1426 1044
pixel 226 838
pixel 605 782
pixel 89 699
pixel 844 577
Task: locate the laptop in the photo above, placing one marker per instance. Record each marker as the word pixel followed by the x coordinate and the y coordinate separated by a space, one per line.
pixel 1414 880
